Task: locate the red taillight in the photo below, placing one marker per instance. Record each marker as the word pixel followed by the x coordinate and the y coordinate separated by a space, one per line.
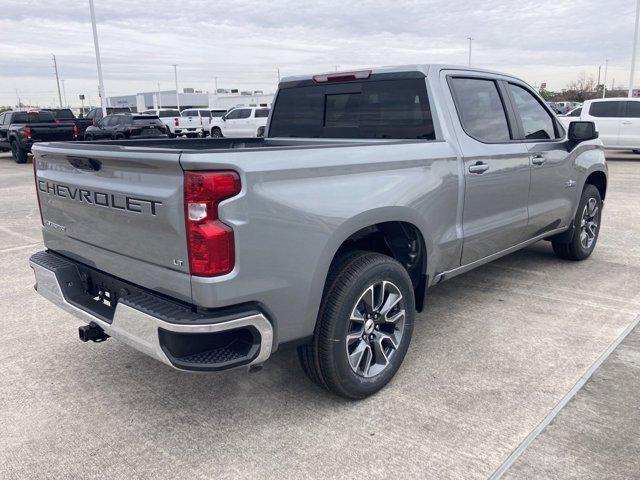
pixel 210 242
pixel 342 76
pixel 27 132
pixel 176 122
pixel 75 131
pixel 35 177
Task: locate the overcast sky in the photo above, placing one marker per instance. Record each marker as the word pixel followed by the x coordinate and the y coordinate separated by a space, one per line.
pixel 243 43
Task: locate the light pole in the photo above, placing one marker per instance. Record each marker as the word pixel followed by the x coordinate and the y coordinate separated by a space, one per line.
pixel 604 83
pixel 159 97
pixel 175 74
pixel 55 67
pixel 633 55
pixel 470 43
pixel 103 98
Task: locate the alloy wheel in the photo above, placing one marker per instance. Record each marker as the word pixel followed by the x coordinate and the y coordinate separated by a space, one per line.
pixel 375 330
pixel 589 223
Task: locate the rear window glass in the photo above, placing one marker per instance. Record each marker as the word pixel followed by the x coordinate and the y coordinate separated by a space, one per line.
pixel 169 113
pixel 262 112
pixel 146 120
pixel 371 109
pixel 218 113
pixel 33 117
pixel 605 109
pixel 64 114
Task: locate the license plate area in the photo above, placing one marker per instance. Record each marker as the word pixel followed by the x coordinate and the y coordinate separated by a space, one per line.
pixel 98 293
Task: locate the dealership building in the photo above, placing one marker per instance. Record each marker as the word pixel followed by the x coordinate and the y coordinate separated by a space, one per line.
pixel 223 99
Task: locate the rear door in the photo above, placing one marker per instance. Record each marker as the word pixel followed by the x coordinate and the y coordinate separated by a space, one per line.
pixel 121 212
pixel 553 180
pixel 630 125
pixel 607 116
pixel 496 167
pixel 5 118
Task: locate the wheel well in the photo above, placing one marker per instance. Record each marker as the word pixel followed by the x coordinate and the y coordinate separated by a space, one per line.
pixel 598 180
pixel 400 240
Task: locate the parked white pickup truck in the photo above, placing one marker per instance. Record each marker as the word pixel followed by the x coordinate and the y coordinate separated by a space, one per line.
pixel 617 121
pixel 193 122
pixel 167 116
pixel 240 122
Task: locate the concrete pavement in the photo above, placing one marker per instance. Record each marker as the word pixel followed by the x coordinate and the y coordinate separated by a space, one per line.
pixel 493 353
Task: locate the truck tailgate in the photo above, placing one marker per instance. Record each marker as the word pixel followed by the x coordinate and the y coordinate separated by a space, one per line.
pixel 120 213
pixel 50 132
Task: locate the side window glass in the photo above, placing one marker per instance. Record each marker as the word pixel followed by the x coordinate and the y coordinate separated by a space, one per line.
pixel 233 114
pixel 244 113
pixel 633 110
pixel 480 109
pixel 536 121
pixel 576 112
pixel 605 109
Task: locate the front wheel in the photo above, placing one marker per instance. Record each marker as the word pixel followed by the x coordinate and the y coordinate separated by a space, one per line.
pixel 216 133
pixel 364 326
pixel 587 227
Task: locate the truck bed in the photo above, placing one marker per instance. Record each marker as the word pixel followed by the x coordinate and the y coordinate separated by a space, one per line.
pixel 220 144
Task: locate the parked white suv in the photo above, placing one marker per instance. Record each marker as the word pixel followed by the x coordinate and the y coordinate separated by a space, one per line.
pixel 240 122
pixel 617 121
pixel 167 116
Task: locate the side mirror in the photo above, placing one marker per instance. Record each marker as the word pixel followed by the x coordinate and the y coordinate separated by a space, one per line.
pixel 224 118
pixel 582 131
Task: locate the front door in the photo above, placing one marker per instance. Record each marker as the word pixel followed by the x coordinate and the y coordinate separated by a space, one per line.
pixel 553 180
pixel 496 169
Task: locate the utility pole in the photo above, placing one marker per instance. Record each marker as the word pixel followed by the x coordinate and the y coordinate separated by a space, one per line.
pixel 103 98
pixel 64 94
pixel 599 70
pixel 215 79
pixel 470 43
pixel 55 67
pixel 635 45
pixel 159 97
pixel 18 97
pixel 175 74
pixel 604 83
pixel 278 75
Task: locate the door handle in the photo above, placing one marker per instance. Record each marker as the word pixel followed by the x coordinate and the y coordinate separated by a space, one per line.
pixel 538 159
pixel 478 168
pixel 626 122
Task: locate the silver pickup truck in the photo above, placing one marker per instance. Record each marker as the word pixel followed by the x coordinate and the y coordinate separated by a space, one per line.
pixel 370 187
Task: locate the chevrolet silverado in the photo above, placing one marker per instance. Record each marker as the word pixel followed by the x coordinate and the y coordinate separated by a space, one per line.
pixel 369 187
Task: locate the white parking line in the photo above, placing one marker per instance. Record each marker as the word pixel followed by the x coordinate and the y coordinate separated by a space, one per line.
pixel 502 469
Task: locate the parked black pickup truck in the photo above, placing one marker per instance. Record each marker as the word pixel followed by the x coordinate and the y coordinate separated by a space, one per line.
pixel 65 115
pixel 20 130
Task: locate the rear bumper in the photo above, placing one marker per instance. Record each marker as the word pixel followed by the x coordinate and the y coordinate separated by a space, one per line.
pixel 185 130
pixel 168 331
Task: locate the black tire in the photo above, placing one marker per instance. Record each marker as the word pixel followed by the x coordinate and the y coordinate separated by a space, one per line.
pixel 88 137
pixel 216 133
pixel 325 359
pixel 120 136
pixel 576 249
pixel 20 155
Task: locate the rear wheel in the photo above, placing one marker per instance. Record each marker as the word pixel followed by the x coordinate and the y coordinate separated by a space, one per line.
pixel 19 154
pixel 120 136
pixel 587 227
pixel 216 132
pixel 88 137
pixel 364 326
